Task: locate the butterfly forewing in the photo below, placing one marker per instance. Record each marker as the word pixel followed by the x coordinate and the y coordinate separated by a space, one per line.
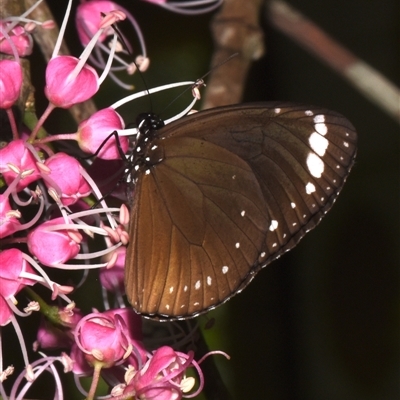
pixel 223 193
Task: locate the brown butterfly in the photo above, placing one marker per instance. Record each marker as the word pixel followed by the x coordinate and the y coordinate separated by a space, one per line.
pixel 221 193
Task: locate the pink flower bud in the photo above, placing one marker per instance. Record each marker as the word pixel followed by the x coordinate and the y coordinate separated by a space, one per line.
pixel 89 18
pixel 65 85
pixel 66 173
pixel 95 133
pixel 21 159
pixel 12 266
pixel 10 82
pixel 105 338
pixel 52 247
pixel 20 38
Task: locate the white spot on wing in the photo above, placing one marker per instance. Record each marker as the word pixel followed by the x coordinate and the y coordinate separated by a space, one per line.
pixel 345 144
pixel 209 280
pixel 262 254
pixel 315 165
pixel 277 110
pixel 225 269
pixel 171 289
pixel 293 205
pixel 167 306
pixel 308 112
pixel 310 188
pixel 319 118
pixel 318 143
pixel 197 285
pixel 185 288
pixel 237 245
pixel 321 128
pixel 243 213
pixel 274 225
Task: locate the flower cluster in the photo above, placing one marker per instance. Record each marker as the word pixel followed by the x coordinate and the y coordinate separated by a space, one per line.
pixel 54 214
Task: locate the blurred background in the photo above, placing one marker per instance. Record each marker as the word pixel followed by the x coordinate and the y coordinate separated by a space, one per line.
pixel 322 322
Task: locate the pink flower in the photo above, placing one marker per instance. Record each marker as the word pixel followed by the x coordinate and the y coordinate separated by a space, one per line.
pixel 13 265
pixel 10 82
pixel 89 16
pixel 162 376
pixel 108 338
pixel 66 85
pixel 9 222
pixel 54 246
pixel 21 39
pixel 22 160
pixel 65 171
pixel 95 133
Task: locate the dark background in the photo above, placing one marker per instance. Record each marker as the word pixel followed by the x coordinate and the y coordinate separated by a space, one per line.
pixel 322 321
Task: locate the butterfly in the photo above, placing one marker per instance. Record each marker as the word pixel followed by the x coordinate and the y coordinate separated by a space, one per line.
pixel 221 193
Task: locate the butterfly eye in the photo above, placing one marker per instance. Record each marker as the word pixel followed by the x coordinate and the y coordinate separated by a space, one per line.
pixel 223 193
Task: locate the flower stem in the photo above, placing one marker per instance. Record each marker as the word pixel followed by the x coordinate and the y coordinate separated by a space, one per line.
pixel 95 381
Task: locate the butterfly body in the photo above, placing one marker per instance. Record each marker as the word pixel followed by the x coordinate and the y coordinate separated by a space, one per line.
pixel 222 193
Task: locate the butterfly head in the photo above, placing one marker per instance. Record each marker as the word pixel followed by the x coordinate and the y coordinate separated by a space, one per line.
pixel 148 122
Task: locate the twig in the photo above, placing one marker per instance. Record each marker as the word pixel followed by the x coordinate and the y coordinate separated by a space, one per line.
pixel 361 75
pixel 236 30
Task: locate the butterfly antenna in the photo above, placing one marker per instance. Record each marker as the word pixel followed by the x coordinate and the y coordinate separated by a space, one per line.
pixel 200 81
